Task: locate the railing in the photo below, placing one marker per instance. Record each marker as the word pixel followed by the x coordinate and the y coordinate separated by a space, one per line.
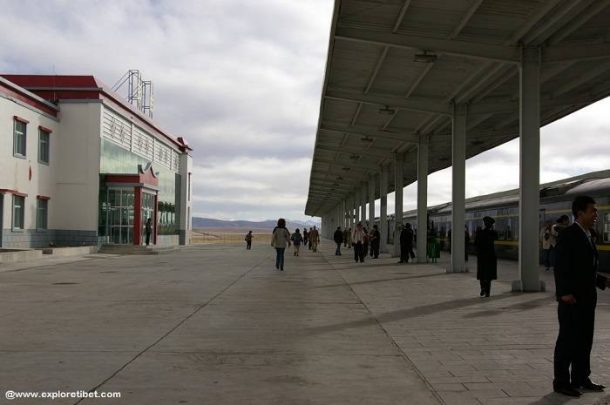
pixel 212 236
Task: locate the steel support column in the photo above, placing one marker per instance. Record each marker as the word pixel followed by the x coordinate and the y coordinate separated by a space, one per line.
pixel 398 206
pixel 529 166
pixel 371 201
pixel 363 193
pixel 458 189
pixel 356 207
pixel 383 209
pixel 350 212
pixel 422 198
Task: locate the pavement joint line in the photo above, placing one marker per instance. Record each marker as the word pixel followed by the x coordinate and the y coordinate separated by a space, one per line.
pixel 36 265
pixel 197 309
pixel 403 355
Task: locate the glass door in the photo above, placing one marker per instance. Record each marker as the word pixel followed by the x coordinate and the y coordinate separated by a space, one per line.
pixel 1 217
pixel 148 211
pixel 121 215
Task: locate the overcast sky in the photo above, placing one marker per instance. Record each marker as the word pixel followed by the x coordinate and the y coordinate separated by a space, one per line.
pixel 241 81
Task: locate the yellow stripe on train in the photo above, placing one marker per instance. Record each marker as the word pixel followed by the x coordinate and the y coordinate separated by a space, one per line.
pixel 516 243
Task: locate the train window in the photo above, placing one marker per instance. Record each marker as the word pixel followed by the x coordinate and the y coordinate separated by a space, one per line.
pixel 606 228
pixel 500 227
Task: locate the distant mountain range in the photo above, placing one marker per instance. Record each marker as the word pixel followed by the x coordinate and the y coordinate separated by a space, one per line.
pixel 268 224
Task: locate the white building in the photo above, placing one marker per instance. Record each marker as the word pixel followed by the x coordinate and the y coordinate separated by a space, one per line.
pixel 80 166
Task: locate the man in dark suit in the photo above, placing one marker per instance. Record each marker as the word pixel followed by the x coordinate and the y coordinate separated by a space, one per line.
pixel 406 244
pixel 575 281
pixel 338 237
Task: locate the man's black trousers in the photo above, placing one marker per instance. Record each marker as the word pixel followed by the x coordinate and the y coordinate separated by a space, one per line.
pixel 573 347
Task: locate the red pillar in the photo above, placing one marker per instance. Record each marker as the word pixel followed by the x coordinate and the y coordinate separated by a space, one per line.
pixel 156 217
pixel 137 217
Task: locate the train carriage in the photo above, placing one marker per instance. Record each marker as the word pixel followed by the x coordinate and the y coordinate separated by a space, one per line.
pixel 555 200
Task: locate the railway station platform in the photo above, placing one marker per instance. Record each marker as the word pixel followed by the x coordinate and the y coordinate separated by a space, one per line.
pixel 215 324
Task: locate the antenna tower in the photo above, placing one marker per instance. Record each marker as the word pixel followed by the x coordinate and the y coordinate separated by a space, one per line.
pixel 139 92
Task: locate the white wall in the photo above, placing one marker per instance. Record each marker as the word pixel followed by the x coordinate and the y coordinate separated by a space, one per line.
pixel 186 198
pixel 77 176
pixel 14 171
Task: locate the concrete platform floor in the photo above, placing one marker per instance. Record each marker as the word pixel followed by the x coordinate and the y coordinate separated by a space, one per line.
pixel 219 325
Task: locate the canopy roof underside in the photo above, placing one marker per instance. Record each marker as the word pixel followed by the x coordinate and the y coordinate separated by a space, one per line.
pixel 377 99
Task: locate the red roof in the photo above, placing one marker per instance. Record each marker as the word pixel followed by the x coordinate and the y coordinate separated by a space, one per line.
pixel 21 94
pixel 55 88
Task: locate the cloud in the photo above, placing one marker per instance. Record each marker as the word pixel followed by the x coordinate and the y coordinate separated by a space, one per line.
pixel 240 80
pixel 574 145
pixel 254 188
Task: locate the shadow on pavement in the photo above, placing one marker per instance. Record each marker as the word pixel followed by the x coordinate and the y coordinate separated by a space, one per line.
pixel 382 280
pixel 402 314
pixel 518 307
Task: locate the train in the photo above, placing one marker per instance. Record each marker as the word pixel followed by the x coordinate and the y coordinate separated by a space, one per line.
pixel 555 200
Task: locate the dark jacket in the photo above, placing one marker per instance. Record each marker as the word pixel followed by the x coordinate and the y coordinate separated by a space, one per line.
pixel 338 237
pixel 487 262
pixel 576 263
pixel 375 238
pixel 406 237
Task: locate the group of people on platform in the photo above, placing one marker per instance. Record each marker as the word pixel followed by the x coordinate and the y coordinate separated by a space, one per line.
pixel 569 249
pixel 548 238
pixel 360 239
pixel 282 238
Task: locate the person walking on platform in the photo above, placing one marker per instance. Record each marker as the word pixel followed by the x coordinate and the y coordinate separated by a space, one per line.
pixel 309 238
pixel 358 237
pixel 345 232
pixel 576 277
pixel 375 238
pixel 548 244
pixel 314 239
pixel 248 240
pixel 433 247
pixel 406 244
pixel 338 237
pixel 365 245
pixel 148 230
pixel 562 223
pixel 348 238
pixel 279 240
pixel 487 262
pixel 296 239
pixel 466 242
pixel 305 236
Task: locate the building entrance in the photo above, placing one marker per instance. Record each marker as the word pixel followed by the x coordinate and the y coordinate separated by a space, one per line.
pixel 121 215
pixel 1 217
pixel 148 211
pixel 127 201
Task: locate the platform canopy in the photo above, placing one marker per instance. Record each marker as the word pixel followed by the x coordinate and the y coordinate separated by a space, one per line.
pixel 395 69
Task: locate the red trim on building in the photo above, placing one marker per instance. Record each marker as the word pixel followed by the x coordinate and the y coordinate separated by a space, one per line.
pixel 10 191
pixel 137 220
pixel 45 129
pixel 23 120
pixel 43 197
pixel 145 176
pixel 185 145
pixel 27 98
pixel 148 176
pixel 122 178
pixel 55 88
pixel 156 220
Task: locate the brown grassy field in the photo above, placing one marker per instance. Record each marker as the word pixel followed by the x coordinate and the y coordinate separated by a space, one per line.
pixel 229 236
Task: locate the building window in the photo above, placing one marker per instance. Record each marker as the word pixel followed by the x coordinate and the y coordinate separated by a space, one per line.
pixel 18 211
pixel 43 146
pixel 19 134
pixel 42 210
